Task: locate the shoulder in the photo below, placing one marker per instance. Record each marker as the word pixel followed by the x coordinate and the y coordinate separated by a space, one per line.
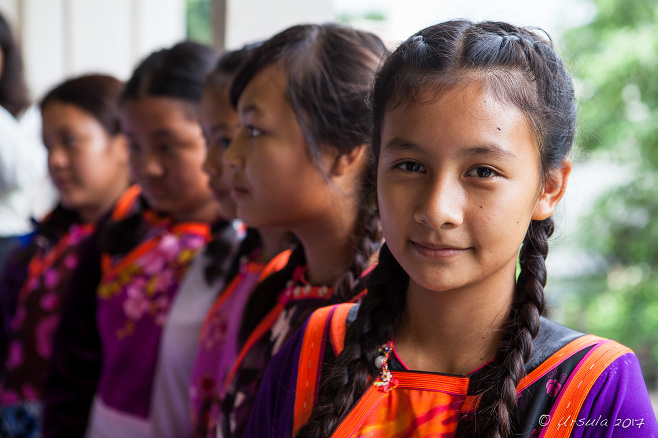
pixel 551 338
pixel 616 404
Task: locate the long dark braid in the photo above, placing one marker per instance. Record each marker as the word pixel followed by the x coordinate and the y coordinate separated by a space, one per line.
pixel 521 69
pixel 367 239
pixel 498 399
pixel 350 375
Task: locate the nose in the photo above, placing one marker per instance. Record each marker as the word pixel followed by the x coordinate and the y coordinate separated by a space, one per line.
pixel 442 204
pixel 233 157
pixel 57 157
pixel 213 162
pixel 149 165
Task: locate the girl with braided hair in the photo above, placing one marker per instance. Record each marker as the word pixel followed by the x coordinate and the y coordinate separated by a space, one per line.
pixel 473 126
pixel 300 162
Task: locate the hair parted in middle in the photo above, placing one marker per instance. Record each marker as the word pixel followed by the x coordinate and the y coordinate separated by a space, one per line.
pixel 520 68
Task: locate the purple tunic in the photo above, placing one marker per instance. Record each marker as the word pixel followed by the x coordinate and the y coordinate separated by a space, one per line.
pixel 619 395
pixel 296 303
pixel 218 348
pixel 37 315
pixel 134 298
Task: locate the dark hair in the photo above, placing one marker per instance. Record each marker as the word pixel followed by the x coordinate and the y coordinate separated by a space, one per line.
pixel 520 68
pixel 178 72
pixel 329 70
pixel 14 95
pixel 98 95
pixel 228 65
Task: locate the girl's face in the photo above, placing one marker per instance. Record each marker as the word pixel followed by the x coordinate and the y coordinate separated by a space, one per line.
pixel 220 124
pixel 274 180
pixel 167 151
pixel 87 165
pixel 458 182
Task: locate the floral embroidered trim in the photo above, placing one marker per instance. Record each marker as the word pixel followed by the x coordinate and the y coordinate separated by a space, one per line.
pixel 386 380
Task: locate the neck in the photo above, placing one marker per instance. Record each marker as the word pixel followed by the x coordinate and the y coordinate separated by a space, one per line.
pixel 328 247
pixel 274 241
pixel 93 213
pixel 206 212
pixel 453 332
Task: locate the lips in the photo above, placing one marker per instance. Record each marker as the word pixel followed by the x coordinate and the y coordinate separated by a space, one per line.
pixel 238 190
pixel 437 250
pixel 155 190
pixel 61 183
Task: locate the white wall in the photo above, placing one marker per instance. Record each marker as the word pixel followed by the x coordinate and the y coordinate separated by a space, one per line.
pixel 64 38
pixel 253 20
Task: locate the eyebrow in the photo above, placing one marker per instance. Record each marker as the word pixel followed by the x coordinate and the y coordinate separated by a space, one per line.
pixel 491 149
pixel 251 108
pixel 164 133
pixel 487 149
pixel 400 144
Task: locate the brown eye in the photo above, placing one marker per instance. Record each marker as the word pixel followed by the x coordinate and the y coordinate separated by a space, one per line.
pixel 482 172
pixel 410 166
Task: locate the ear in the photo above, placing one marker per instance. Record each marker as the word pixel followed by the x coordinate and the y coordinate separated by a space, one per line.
pixel 120 145
pixel 553 190
pixel 343 163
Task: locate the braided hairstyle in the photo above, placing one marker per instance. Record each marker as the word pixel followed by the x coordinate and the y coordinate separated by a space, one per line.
pixel 329 70
pixel 521 68
pixel 177 72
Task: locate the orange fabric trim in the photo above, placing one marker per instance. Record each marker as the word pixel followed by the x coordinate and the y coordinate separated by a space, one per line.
pixel 259 331
pixel 339 326
pixel 431 382
pixel 276 264
pixel 363 407
pixel 109 270
pixel 356 298
pixel 250 267
pixel 556 358
pixel 126 201
pixel 405 380
pixel 578 387
pixel 38 265
pixel 471 403
pixel 191 228
pixel 309 366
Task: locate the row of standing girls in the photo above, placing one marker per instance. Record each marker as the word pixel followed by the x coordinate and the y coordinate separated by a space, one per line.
pixel 176 308
pixel 165 270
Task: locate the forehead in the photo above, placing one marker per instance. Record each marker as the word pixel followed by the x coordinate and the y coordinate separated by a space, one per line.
pixel 468 114
pixel 57 112
pixel 266 89
pixel 156 112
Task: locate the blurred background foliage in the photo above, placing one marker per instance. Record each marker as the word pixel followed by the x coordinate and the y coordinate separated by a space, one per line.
pixel 615 64
pixel 198 20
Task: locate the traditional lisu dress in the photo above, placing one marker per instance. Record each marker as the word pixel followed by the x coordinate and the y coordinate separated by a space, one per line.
pixel 34 321
pixel 170 402
pixel 296 302
pixel 576 386
pixel 134 297
pixel 218 342
pixel 105 349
